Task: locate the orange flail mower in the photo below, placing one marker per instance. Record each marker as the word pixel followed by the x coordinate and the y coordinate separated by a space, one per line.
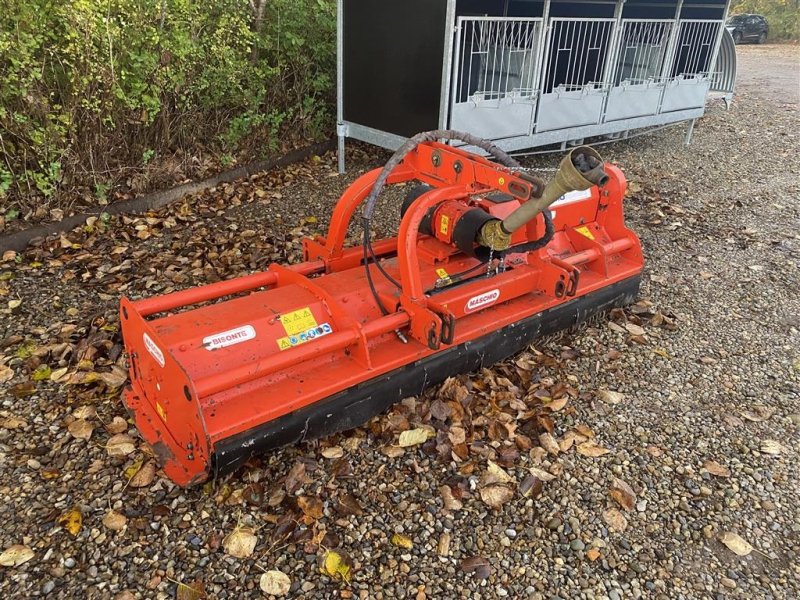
pixel 480 268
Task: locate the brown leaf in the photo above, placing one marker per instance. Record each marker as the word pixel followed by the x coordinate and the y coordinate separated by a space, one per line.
pixel 120 445
pixel 716 469
pixel 591 449
pixel 610 396
pixel 144 476
pixel 115 521
pixel 450 501
pixel 736 543
pixel 194 590
pixel 440 410
pixel 549 443
pixel 772 447
pixel 296 477
pixel 332 452
pixel 634 329
pixel 443 547
pixel 615 520
pixel 311 507
pixel 593 554
pixel 477 565
pixel 496 495
pixel 531 486
pixel 558 404
pixel 117 425
pixel 253 493
pixel 623 494
pixel 348 505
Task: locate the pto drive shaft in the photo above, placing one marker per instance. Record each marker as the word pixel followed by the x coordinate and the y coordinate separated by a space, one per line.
pixel 579 170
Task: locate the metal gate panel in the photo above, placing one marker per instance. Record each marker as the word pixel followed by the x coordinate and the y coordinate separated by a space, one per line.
pixel 573 90
pixel 496 67
pixel 690 77
pixel 636 82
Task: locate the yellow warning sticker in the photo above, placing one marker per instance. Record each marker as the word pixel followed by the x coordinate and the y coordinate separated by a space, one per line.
pixel 298 320
pixel 161 412
pixel 442 274
pixel 585 232
pixel 444 223
pixel 501 181
pixel 301 337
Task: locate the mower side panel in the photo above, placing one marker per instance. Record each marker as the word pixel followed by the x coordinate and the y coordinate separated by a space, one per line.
pixel 356 405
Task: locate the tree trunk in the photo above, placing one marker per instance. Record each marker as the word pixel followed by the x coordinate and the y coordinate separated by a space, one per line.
pixel 258 7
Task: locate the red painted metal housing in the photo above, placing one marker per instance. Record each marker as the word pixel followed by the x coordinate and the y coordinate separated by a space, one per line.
pixel 201 374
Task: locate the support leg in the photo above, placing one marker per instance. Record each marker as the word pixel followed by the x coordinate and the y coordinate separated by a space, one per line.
pixel 340 153
pixel 688 139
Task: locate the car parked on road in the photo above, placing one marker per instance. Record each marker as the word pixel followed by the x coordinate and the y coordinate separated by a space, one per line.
pixel 748 28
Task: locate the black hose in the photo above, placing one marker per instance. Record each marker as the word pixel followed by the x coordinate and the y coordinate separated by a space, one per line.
pixel 430 136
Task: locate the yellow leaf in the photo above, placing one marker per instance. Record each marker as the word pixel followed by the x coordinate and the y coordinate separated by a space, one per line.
pixel 71 521
pixel 413 437
pixel 402 541
pixel 311 219
pixel 41 373
pixel 334 565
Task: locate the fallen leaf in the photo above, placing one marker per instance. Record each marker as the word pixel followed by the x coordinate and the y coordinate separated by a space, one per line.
pixel 6 373
pixel 496 474
pixel 610 396
pixel 623 494
pixel 443 547
pixel 402 541
pixel 542 474
pixel 591 449
pixel 13 423
pixel 59 375
pixel 557 405
pixel 414 437
pixel 450 501
pixel 194 590
pixel 531 486
pixel 336 566
pixel 115 521
pixel 80 429
pixel 772 447
pixel 348 505
pixel 477 565
pixel 120 445
pixel 736 543
pixel 15 555
pixel 496 495
pixel 71 521
pixel 275 583
pixel 549 443
pixel 330 452
pixel 87 411
pixel 615 520
pixel 241 542
pixel 392 451
pixel 144 476
pixel 115 378
pixel 311 507
pixel 634 329
pixel 296 477
pixel 117 425
pixel 593 554
pixel 716 469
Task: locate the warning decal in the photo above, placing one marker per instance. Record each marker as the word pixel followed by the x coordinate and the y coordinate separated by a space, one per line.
pixel 297 321
pixel 312 333
pixel 585 232
pixel 444 223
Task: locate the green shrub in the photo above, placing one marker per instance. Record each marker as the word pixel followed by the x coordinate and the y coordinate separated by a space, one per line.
pixel 90 90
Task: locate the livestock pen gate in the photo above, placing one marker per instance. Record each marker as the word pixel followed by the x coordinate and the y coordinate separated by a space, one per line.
pixel 525 73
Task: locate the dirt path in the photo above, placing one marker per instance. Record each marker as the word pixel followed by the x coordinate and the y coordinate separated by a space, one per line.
pixel 703 426
pixel 771 72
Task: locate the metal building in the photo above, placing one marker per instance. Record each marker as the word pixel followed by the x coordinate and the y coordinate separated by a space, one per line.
pixel 525 73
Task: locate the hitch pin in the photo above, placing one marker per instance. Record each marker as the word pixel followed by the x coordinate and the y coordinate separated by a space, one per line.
pixel 401 336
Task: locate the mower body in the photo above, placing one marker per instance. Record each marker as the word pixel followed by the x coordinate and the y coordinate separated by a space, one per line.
pixel 304 351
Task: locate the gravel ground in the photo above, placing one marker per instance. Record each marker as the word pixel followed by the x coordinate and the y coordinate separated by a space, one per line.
pixel 700 416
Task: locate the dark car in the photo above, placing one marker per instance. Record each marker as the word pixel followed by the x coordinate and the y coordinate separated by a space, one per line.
pixel 748 28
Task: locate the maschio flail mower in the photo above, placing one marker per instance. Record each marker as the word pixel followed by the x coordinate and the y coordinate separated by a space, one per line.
pixel 479 269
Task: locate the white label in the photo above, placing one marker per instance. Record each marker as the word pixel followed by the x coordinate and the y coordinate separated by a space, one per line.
pixel 573 196
pixel 229 338
pixel 484 299
pixel 154 350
